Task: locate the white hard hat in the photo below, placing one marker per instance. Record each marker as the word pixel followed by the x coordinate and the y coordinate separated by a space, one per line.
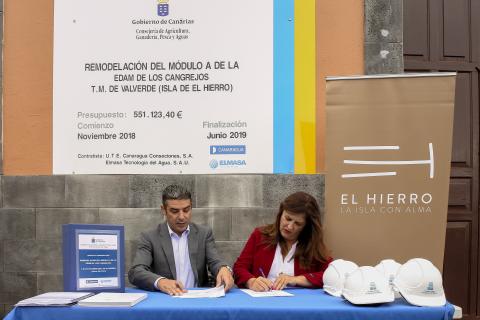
pixel 420 283
pixel 367 286
pixel 389 268
pixel 334 276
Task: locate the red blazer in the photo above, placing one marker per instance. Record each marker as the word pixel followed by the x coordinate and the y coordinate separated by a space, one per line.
pixel 257 254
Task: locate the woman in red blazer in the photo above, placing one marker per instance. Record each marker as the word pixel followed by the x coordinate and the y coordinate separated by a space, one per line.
pixel 289 252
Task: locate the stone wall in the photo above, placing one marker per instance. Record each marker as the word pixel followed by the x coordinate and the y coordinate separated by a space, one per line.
pixel 383 36
pixel 33 209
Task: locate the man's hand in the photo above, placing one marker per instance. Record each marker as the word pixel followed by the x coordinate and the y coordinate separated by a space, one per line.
pixel 224 276
pixel 260 284
pixel 283 280
pixel 171 287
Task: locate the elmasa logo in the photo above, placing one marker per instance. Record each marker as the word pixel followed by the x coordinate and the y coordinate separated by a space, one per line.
pixel 213 164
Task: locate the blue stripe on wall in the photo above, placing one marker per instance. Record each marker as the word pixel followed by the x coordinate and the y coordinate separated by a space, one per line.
pixel 283 86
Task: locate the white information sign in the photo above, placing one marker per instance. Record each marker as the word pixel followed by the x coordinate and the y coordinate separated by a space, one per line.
pixel 163 86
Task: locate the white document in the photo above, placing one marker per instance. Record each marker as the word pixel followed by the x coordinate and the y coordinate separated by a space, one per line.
pixel 216 292
pixel 271 293
pixel 113 299
pixel 52 299
pixel 98 258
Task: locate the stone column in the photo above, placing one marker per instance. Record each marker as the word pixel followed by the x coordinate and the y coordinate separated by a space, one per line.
pixel 383 36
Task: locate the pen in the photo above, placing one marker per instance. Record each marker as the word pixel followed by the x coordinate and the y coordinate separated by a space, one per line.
pixel 261 272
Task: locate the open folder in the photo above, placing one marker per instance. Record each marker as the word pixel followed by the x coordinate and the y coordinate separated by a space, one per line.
pixel 54 299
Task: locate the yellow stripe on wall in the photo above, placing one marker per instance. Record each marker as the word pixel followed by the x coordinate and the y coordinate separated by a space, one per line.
pixel 305 86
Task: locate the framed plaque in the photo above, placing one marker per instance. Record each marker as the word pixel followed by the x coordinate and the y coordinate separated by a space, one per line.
pixel 93 258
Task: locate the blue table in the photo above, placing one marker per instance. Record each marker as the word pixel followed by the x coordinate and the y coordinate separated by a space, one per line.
pixel 306 304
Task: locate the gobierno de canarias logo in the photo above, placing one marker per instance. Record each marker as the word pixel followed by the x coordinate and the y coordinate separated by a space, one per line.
pixel 162 8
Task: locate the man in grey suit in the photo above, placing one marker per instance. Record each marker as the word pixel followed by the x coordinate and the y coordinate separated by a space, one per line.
pixel 176 254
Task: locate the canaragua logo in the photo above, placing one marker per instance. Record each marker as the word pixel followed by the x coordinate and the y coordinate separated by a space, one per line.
pixel 162 8
pixel 429 161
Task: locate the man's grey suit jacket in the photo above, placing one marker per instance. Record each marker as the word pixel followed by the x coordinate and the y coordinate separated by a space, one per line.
pixel 154 256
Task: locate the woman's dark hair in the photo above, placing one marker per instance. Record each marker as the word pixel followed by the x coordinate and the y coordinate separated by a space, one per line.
pixel 311 249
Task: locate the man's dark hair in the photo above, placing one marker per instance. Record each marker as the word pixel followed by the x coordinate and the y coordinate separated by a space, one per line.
pixel 175 192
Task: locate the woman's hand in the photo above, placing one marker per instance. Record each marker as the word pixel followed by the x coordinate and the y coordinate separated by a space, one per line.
pixel 283 280
pixel 259 284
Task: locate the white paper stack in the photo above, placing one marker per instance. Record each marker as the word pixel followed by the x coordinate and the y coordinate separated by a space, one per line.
pixel 271 293
pixel 113 299
pixel 54 299
pixel 216 292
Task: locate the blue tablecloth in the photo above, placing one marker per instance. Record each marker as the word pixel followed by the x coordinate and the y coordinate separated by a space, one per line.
pixel 306 304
